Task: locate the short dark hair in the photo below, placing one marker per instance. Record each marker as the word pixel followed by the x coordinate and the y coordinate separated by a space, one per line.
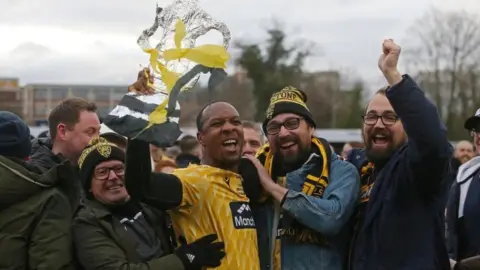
pixel 382 91
pixel 68 113
pixel 200 117
pixel 188 144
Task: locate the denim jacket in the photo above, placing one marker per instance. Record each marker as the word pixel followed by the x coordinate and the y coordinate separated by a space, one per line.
pixel 327 215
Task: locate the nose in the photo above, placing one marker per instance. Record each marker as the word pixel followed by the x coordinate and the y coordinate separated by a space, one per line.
pixel 227 126
pixel 283 132
pixel 379 123
pixel 112 175
pixel 248 149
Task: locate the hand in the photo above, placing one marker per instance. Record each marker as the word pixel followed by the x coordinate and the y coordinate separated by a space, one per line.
pixel 388 62
pixel 389 59
pixel 201 253
pixel 265 178
pixel 141 85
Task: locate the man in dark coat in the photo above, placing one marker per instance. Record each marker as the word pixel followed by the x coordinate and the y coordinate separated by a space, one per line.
pixel 404 166
pixel 113 231
pixel 35 212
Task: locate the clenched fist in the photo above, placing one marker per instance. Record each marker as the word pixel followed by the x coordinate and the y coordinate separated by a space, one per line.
pixel 388 61
pixel 141 85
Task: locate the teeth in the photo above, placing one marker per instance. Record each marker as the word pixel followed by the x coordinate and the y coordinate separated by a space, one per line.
pixel 227 142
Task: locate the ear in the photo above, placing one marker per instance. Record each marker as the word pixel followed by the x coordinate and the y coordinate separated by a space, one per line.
pixel 311 131
pixel 61 131
pixel 200 138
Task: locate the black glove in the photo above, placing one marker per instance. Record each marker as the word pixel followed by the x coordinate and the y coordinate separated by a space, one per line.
pixel 201 253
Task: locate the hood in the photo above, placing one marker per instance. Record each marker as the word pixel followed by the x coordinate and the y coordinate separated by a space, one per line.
pixel 17 183
pixel 468 168
pixel 41 144
pixel 42 158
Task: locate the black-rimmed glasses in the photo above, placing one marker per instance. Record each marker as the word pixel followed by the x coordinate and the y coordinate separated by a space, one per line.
pixel 289 124
pixel 387 119
pixel 103 173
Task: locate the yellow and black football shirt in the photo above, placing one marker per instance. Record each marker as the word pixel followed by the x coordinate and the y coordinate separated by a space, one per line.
pixel 213 201
pixel 202 200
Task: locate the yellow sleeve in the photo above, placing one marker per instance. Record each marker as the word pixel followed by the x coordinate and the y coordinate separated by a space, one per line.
pixel 192 186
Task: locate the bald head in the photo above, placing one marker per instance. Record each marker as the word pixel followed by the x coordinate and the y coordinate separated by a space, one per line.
pixel 217 108
pixel 464 151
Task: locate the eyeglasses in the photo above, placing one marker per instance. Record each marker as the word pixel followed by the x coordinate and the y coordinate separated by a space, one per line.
pixel 387 119
pixel 103 173
pixel 289 124
pixel 475 132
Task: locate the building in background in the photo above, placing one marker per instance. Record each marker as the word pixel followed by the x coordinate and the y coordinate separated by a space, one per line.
pixel 40 99
pixel 11 96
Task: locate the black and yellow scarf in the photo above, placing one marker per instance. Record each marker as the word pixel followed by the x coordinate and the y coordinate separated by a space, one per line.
pixel 314 185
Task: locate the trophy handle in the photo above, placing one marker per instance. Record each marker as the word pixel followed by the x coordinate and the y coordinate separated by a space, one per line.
pixel 144 39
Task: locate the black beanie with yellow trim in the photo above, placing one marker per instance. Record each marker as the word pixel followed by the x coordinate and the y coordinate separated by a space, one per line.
pixel 97 151
pixel 288 100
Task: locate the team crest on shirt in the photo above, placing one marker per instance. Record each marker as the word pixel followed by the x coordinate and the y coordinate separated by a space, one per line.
pixel 242 216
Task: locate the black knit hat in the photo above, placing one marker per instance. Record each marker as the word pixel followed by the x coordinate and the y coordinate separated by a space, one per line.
pixel 98 150
pixel 288 100
pixel 14 136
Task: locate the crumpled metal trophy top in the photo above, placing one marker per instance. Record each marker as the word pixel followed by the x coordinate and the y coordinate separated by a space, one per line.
pixel 197 23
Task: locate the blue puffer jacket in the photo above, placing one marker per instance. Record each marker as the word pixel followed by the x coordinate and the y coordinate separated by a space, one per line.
pixel 327 215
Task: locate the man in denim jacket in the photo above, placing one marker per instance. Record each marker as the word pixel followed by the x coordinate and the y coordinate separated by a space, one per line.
pixel 310 192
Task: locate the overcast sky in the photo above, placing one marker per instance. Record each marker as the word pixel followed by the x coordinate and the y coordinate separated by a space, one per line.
pixel 59 41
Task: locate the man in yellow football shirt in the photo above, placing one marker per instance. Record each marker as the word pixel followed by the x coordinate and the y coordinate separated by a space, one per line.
pixel 204 199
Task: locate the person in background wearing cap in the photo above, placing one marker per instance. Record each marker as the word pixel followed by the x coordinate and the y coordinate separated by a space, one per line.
pixel 463 215
pixel 35 215
pixel 312 193
pixel 113 231
pixel 404 168
pixel 113 137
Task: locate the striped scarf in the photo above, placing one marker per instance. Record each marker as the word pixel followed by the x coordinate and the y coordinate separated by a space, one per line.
pixel 314 185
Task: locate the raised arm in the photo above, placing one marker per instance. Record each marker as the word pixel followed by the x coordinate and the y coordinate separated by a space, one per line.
pixel 428 149
pixel 160 190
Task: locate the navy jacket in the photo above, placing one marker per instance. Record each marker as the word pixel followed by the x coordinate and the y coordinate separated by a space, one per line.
pixel 404 220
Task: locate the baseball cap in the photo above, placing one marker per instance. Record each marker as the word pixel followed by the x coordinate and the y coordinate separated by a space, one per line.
pixel 473 122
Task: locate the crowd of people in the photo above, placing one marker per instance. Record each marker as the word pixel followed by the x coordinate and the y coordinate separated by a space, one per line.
pixel 243 197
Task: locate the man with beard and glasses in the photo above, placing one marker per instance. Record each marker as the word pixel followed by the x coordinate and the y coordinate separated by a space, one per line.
pixel 204 199
pixel 311 192
pixel 404 166
pixel 463 217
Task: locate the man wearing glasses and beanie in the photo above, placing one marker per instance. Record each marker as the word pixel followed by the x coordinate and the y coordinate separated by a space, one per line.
pixel 311 192
pixel 463 217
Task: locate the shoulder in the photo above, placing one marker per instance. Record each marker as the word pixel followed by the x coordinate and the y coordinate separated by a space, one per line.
pixel 194 171
pixel 340 167
pixel 84 214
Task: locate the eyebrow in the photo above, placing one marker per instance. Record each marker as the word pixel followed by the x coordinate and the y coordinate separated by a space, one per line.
pixel 384 112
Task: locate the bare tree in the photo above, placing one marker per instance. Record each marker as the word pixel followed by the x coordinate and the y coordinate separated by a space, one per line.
pixel 443 51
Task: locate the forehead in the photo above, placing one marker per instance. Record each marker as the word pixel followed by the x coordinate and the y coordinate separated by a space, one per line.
pixel 283 116
pixel 464 145
pixel 88 118
pixel 379 103
pixel 108 164
pixel 220 110
pixel 251 134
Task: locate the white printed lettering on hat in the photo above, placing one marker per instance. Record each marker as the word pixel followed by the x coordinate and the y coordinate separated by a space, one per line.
pixel 477 113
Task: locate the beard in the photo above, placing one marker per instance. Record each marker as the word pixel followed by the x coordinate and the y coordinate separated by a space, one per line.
pixel 379 156
pixel 291 162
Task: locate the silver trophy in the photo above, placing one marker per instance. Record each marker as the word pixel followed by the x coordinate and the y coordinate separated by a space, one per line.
pixel 197 23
